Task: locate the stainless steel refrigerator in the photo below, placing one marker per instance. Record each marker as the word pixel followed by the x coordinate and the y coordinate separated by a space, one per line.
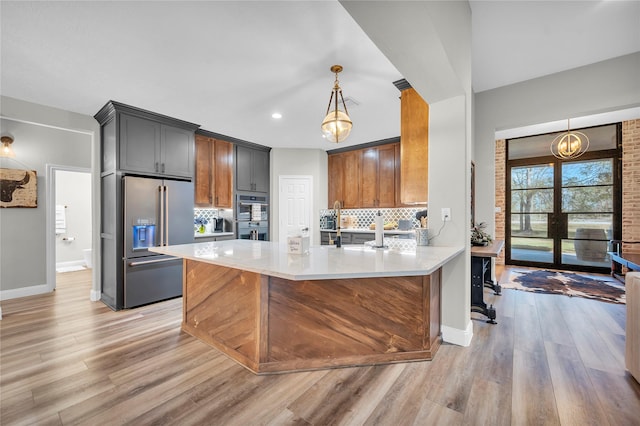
pixel 157 212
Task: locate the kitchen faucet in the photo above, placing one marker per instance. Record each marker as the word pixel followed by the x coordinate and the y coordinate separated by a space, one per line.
pixel 338 237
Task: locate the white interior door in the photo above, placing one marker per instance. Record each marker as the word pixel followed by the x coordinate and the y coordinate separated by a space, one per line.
pixel 295 205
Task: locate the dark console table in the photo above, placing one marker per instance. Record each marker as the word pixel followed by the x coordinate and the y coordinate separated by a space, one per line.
pixel 481 277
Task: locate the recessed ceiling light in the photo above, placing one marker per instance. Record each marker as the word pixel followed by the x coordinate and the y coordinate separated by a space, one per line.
pixel 276 115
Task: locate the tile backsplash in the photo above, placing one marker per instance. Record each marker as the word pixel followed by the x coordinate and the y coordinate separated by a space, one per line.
pixel 367 216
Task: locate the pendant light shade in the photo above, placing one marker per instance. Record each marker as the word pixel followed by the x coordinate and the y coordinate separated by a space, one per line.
pixel 6 150
pixel 336 125
pixel 570 144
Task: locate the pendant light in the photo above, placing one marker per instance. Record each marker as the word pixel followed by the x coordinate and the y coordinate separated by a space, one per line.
pixel 336 126
pixel 569 145
pixel 6 150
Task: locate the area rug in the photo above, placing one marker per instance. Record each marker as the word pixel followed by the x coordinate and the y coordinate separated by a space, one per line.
pixel 566 283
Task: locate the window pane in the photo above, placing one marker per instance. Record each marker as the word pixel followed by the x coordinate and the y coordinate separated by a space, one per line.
pixel 601 222
pixel 584 173
pixel 532 201
pixel 587 199
pixel 532 249
pixel 583 252
pixel 532 177
pixel 529 225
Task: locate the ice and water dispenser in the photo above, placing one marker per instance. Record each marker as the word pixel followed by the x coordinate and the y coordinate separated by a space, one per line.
pixel 144 233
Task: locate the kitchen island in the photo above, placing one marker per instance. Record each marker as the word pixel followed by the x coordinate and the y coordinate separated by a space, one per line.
pixel 276 312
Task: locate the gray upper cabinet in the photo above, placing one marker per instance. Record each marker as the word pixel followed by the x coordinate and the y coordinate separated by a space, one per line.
pixel 177 151
pixel 252 169
pixel 136 141
pixel 151 147
pixel 139 144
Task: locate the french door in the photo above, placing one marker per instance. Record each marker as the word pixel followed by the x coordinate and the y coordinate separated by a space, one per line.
pixel 562 214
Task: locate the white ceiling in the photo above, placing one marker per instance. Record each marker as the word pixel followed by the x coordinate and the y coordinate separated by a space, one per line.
pixel 229 65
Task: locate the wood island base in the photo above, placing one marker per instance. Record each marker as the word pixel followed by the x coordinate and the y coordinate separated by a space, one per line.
pixel 274 325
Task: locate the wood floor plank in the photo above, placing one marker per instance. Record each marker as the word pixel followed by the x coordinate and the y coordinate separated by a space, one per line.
pixel 532 382
pixel 574 392
pixel 621 406
pixel 400 405
pixel 594 352
pixel 65 360
pixel 484 397
pixel 552 322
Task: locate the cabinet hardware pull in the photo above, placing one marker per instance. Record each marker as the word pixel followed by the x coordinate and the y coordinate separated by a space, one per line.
pixel 156 166
pixel 162 167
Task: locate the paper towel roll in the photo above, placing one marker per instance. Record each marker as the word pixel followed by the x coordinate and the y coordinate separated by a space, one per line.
pixel 379 230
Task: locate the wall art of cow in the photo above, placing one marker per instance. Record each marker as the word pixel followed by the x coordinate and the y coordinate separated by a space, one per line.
pixel 18 188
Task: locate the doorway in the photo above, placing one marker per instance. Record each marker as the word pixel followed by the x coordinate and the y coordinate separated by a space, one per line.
pixel 561 214
pixel 295 205
pixel 70 217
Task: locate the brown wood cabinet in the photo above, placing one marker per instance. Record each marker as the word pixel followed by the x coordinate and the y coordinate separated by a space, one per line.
pixel 414 147
pixel 365 178
pixel 214 173
pixel 344 179
pixel 378 177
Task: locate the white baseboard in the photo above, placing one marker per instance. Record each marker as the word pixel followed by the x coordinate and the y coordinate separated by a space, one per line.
pixel 457 336
pixel 70 263
pixel 31 290
pixel 95 295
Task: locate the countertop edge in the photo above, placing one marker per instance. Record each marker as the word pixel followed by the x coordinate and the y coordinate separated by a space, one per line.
pixel 246 266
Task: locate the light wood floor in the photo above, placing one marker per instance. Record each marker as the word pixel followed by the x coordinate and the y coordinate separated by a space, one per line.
pixel 549 360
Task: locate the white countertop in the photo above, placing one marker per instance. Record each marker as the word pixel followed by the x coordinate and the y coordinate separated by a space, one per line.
pixel 322 262
pixel 369 231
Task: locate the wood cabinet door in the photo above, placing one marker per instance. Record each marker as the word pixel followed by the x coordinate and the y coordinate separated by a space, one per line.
pixel 176 152
pixel 139 145
pixel 223 174
pixel 335 178
pixel 369 178
pixel 203 185
pixel 387 175
pixel 351 184
pixel 414 147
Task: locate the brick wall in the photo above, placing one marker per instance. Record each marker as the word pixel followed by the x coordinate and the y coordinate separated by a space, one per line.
pixel 631 184
pixel 500 166
pixel 630 187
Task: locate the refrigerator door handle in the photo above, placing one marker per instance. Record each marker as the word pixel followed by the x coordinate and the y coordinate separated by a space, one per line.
pixel 147 262
pixel 161 189
pixel 166 215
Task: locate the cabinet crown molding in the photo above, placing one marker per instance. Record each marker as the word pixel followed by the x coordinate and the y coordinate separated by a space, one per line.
pixel 108 111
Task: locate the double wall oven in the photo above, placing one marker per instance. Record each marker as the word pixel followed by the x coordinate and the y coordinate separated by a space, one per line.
pixel 252 217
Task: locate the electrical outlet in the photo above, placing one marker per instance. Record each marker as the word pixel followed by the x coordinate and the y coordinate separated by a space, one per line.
pixel 446 214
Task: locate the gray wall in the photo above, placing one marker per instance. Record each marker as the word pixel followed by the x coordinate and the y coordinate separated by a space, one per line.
pixel 43 136
pixel 311 162
pixel 606 86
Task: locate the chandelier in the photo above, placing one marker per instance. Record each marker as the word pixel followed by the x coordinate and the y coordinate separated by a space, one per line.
pixel 570 144
pixel 336 125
